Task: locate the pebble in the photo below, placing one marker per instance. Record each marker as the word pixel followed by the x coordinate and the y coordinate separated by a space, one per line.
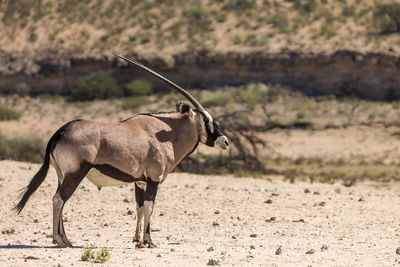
pixel 311 251
pixel 172 249
pixel 252 247
pixel 129 212
pixel 210 249
pixel 322 203
pixel 159 256
pixel 126 200
pixel 307 191
pixel 35 220
pixel 8 232
pixel 324 247
pixel 215 223
pixel 162 214
pixel 253 235
pixel 398 251
pixel 272 219
pixel 216 212
pixel 278 251
pixel 213 262
pixel 268 201
pixel 361 199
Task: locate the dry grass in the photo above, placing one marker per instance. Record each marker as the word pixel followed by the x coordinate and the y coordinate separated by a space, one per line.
pixel 177 25
pixel 349 139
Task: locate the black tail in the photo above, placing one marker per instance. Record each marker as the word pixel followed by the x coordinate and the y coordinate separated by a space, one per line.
pixel 39 177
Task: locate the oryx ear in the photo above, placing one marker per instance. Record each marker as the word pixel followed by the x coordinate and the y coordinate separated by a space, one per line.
pixel 184 108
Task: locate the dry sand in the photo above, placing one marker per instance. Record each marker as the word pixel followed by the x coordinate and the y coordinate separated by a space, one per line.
pixel 358 226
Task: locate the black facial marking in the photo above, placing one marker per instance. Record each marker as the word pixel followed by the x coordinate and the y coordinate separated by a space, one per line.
pixel 116 173
pixel 212 136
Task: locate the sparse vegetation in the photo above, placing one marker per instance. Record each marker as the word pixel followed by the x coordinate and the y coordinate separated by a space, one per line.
pixel 197 26
pixel 22 149
pixel 100 256
pixel 9 87
pixel 387 16
pixel 7 114
pixel 138 87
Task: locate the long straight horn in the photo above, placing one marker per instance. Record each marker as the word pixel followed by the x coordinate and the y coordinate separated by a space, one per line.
pixel 162 78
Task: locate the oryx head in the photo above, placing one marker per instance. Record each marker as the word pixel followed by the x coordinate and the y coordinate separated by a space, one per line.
pixel 212 134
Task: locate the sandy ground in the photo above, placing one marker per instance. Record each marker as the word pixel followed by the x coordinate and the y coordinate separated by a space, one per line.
pixel 198 218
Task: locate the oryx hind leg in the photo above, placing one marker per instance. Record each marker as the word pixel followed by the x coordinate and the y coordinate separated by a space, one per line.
pixel 67 186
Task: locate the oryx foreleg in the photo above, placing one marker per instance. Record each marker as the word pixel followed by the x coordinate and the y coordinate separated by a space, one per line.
pixel 146 205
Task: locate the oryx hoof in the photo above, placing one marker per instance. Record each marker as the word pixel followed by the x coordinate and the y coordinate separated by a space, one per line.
pixel 62 242
pixel 150 244
pixel 141 244
pixel 59 242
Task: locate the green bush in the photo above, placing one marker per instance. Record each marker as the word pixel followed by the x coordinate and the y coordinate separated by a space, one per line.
pixel 13 88
pixel 22 149
pixel 387 16
pixel 7 114
pixel 133 103
pixel 100 256
pixel 138 87
pixel 212 99
pixel 98 85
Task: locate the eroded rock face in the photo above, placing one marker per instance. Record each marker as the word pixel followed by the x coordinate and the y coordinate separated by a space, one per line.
pixel 368 75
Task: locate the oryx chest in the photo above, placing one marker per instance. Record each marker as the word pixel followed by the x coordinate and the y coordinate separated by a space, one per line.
pixel 101 180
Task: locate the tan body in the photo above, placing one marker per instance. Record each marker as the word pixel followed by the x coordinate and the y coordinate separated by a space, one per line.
pixel 145 146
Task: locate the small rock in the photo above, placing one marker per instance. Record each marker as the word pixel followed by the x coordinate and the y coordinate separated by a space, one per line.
pixel 253 235
pixel 233 237
pixel 324 247
pixel 278 251
pixel 316 193
pixel 268 201
pixel 98 235
pixel 272 219
pixel 129 212
pixel 34 240
pixel 215 223
pixel 398 251
pixel 162 214
pixel 307 191
pixel 274 194
pixel 106 224
pixel 210 249
pixel 300 220
pixel 252 247
pixel 31 258
pixel 35 220
pixel 311 251
pixel 8 232
pixel 172 249
pixel 159 256
pixel 216 212
pixel 322 203
pixel 361 199
pixel 212 262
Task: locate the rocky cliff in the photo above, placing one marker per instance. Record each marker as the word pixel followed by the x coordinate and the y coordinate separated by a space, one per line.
pixel 368 75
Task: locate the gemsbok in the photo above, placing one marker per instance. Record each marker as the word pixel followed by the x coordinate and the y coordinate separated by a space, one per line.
pixel 142 149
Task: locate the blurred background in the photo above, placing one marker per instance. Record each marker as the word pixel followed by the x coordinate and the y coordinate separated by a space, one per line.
pixel 308 89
